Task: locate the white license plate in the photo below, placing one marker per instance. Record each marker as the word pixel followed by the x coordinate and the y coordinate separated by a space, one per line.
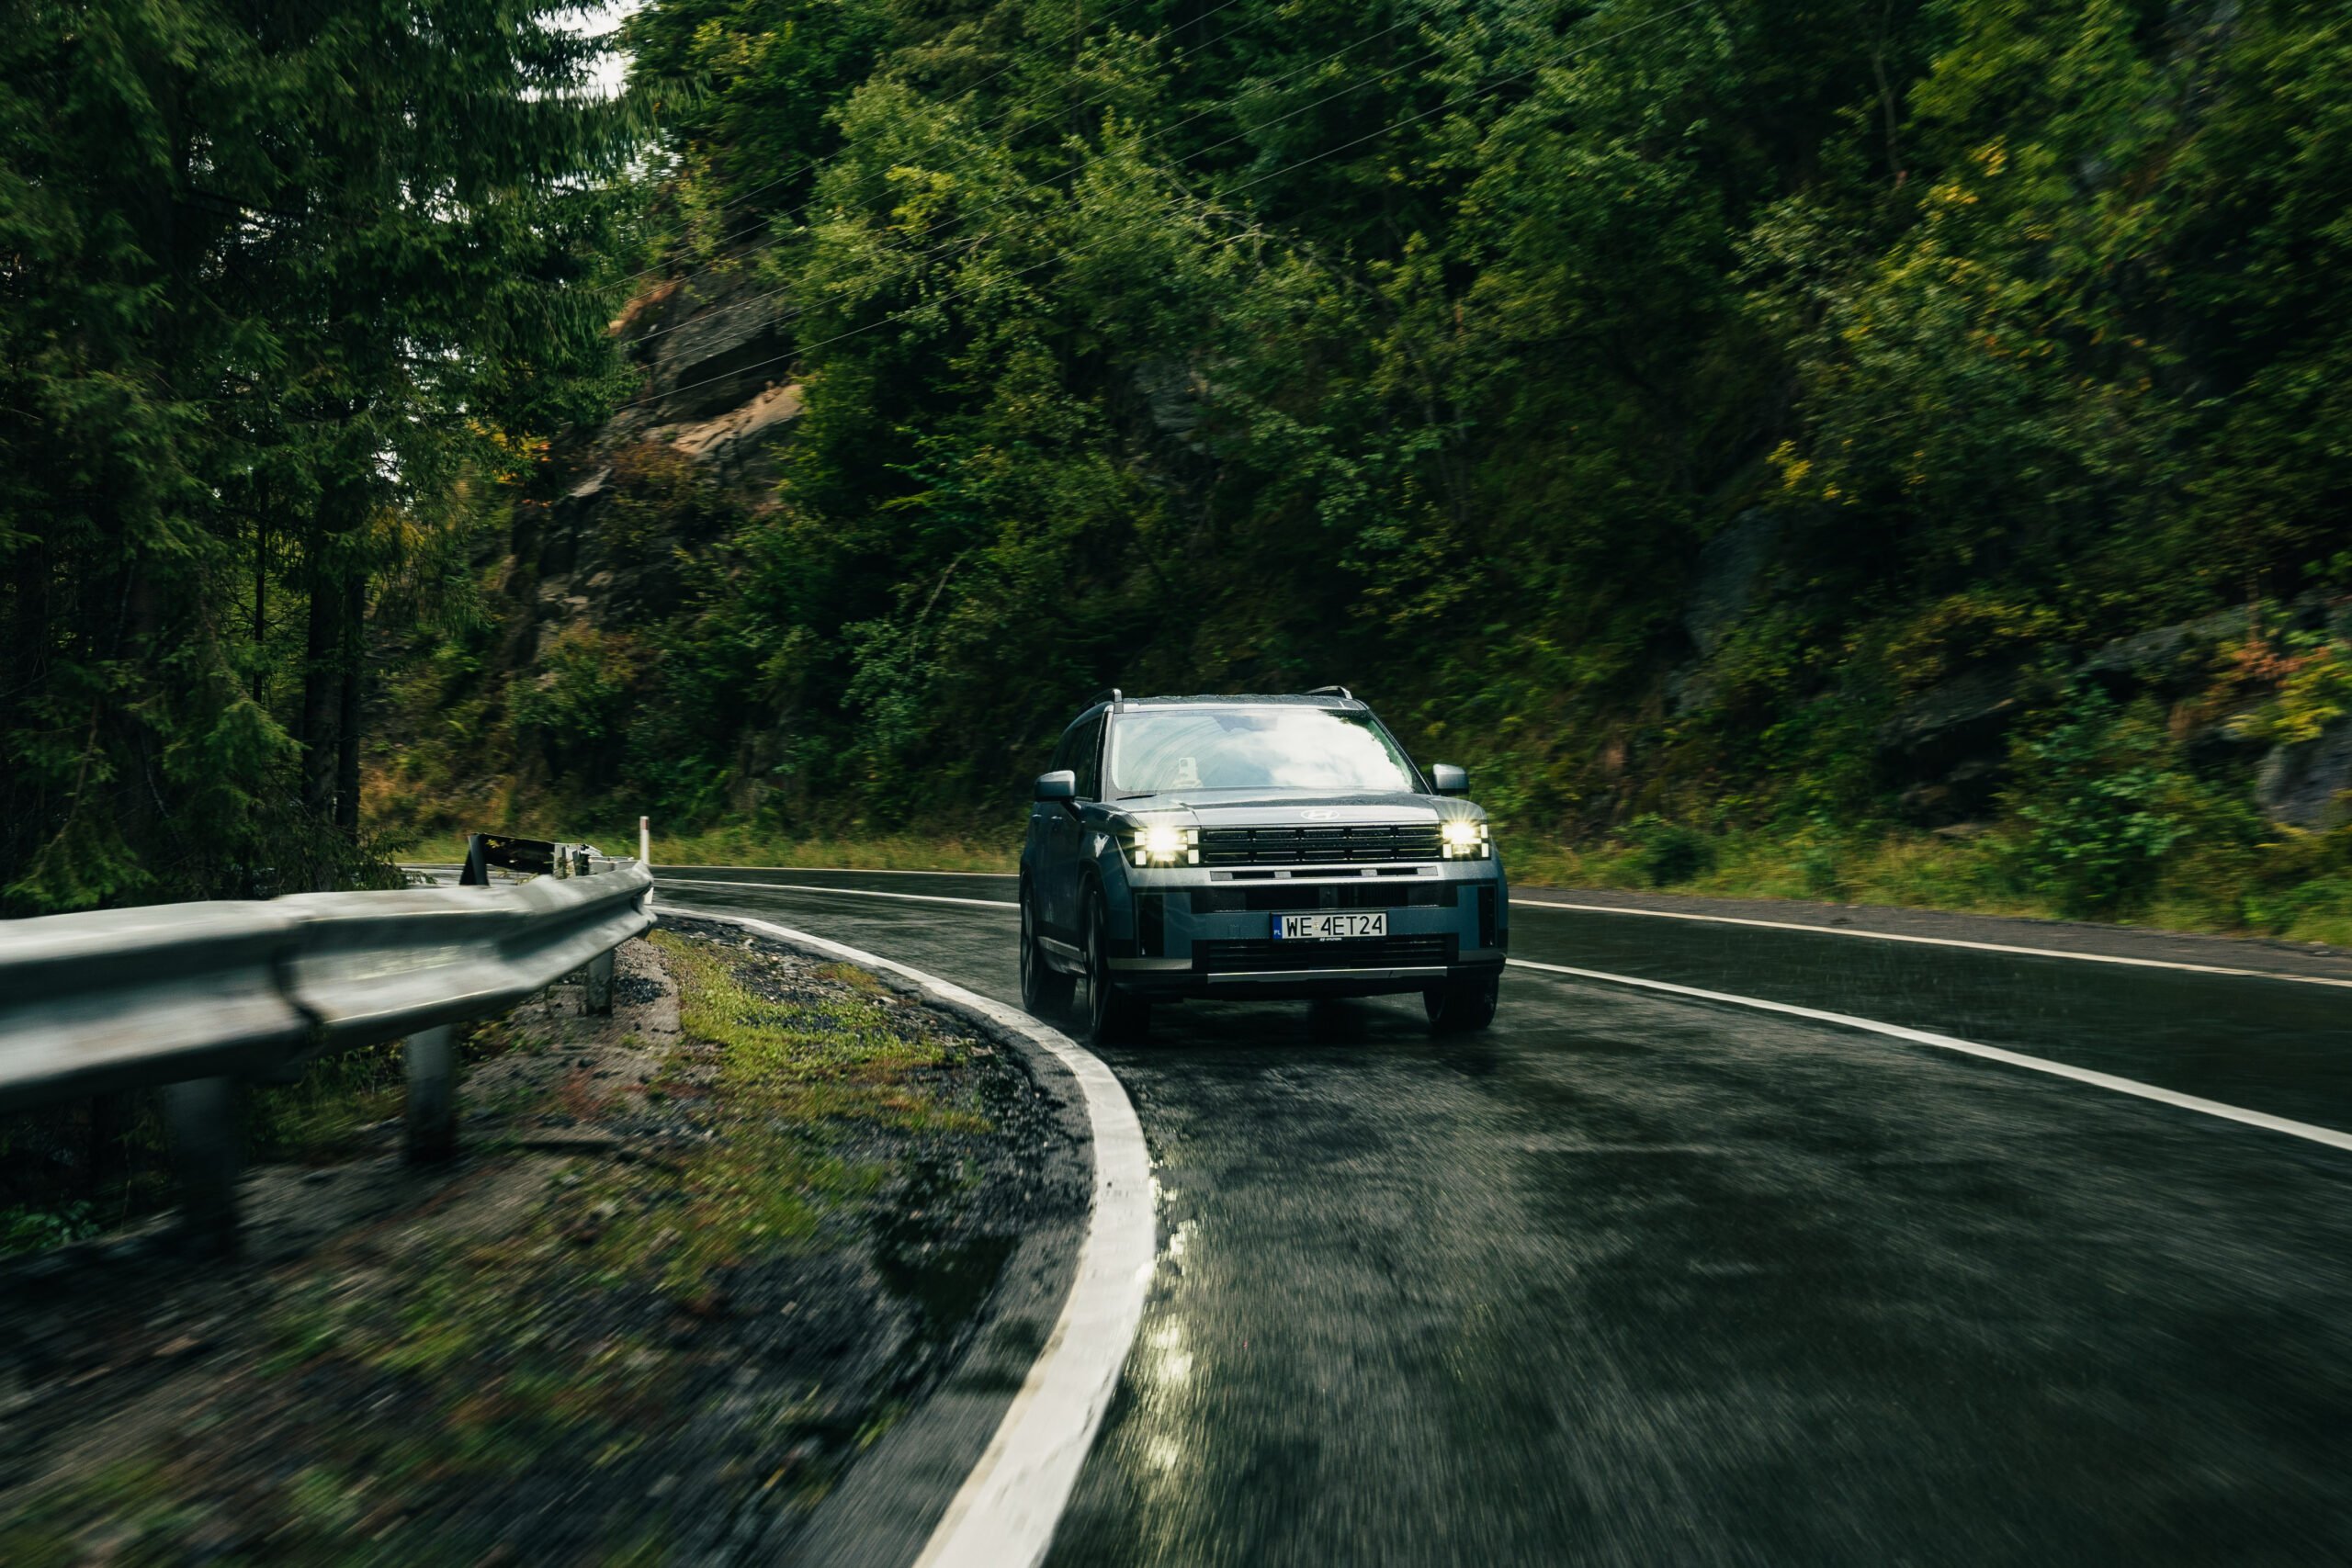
pixel 1330 928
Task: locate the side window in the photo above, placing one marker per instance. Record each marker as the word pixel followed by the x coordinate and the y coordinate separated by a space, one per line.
pixel 1086 758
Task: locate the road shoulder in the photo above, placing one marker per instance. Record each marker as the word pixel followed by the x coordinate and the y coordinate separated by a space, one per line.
pixel 694 1267
pixel 2138 945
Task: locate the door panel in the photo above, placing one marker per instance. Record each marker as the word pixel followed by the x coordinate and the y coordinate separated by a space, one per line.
pixel 1066 839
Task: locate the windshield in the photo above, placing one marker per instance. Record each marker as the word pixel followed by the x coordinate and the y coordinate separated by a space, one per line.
pixel 1252 749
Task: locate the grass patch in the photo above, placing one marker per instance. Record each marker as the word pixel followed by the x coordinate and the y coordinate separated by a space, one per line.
pixel 323 1117
pixel 2289 890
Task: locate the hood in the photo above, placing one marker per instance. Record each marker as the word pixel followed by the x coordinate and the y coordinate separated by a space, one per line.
pixel 1290 808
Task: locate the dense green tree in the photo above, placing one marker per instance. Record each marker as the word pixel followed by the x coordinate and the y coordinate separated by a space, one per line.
pixel 1427 342
pixel 271 276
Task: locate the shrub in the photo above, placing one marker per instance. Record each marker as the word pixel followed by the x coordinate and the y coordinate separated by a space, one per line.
pixel 2102 806
pixel 578 702
pixel 1669 852
pixel 38 1230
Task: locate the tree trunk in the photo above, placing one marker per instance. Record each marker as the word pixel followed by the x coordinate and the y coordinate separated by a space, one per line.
pixel 261 602
pixel 346 764
pixel 322 682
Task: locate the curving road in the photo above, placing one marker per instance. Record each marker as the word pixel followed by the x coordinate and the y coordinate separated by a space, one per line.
pixel 1642 1276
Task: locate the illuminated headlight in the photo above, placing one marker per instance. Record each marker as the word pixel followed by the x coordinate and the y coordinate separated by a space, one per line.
pixel 1465 839
pixel 1164 843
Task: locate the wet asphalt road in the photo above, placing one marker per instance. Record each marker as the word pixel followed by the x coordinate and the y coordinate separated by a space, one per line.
pixel 1638 1279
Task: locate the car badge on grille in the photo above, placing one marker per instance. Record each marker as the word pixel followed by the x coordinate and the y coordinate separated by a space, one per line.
pixel 1318 816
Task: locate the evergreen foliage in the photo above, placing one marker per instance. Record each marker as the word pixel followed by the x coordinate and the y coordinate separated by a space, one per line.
pixel 279 285
pixel 1429 344
pixel 1656 406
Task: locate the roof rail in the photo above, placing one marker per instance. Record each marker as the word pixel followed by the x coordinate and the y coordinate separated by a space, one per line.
pixel 1107 694
pixel 1340 692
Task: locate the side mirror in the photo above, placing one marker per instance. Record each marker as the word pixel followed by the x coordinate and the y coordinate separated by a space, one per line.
pixel 1447 779
pixel 1059 784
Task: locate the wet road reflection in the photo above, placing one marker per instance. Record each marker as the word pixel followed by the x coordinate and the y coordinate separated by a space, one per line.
pixel 1636 1280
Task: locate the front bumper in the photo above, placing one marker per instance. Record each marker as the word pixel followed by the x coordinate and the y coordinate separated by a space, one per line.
pixel 1208 933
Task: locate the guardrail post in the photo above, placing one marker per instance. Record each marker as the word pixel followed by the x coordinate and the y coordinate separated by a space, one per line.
pixel 202 1114
pixel 431 1057
pixel 600 984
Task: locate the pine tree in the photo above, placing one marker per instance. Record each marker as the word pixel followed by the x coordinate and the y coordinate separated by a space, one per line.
pixel 271 273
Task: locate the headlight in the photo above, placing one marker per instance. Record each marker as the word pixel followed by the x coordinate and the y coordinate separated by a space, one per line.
pixel 1165 843
pixel 1466 839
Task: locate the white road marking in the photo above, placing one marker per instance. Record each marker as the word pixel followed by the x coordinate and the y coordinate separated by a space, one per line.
pixel 845 892
pixel 1518 903
pixel 2304 1130
pixel 1005 1513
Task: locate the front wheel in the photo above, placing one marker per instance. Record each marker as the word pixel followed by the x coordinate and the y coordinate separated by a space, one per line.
pixel 1045 990
pixel 1463 1004
pixel 1114 1017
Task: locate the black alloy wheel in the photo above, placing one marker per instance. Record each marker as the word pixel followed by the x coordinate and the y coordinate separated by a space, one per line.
pixel 1113 1017
pixel 1045 990
pixel 1463 1004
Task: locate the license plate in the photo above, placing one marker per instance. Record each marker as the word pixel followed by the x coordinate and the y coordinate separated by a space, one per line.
pixel 1330 928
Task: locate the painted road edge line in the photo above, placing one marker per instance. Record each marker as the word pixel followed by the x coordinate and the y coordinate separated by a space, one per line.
pixel 1524 903
pixel 2304 1130
pixel 1006 1511
pixel 843 892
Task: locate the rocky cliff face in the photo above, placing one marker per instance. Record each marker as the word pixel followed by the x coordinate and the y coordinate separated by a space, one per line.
pixel 718 403
pixel 1952 739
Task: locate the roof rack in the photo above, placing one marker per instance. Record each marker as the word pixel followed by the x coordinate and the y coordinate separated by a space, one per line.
pixel 1340 692
pixel 1107 694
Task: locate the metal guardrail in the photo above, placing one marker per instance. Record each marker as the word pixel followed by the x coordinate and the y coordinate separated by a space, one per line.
pixel 196 999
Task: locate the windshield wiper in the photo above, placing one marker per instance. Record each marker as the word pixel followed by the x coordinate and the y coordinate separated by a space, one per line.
pixel 1145 795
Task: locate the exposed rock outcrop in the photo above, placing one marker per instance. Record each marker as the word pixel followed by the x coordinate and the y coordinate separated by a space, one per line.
pixel 719 406
pixel 2169 661
pixel 2308 784
pixel 709 343
pixel 1732 569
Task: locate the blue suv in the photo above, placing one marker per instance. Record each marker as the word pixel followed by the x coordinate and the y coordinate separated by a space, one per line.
pixel 1254 847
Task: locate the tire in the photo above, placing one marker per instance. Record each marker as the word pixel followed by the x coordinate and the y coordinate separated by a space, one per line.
pixel 1045 990
pixel 1463 1004
pixel 1113 1017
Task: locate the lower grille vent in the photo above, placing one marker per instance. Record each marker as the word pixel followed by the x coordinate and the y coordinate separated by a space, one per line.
pixel 1266 956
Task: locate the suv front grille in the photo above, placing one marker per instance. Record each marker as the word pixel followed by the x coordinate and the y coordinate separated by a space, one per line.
pixel 1264 955
pixel 1351 843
